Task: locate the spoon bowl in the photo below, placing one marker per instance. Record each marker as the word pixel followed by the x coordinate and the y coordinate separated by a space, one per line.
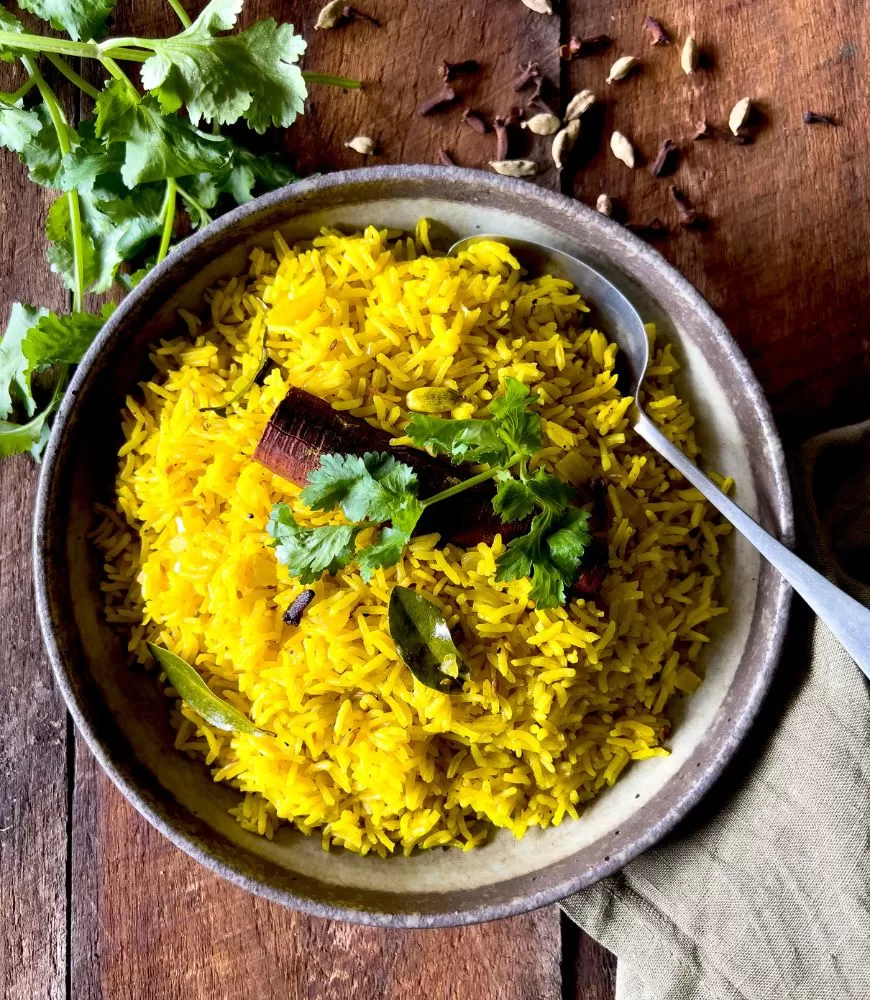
pixel 844 616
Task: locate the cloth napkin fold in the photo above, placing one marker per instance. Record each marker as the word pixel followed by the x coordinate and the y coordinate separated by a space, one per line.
pixel 763 892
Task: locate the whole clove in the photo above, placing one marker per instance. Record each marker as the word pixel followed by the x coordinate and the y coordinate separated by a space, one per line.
pixel 355 14
pixel 814 118
pixel 657 32
pixel 579 48
pixel 449 71
pixel 703 130
pixel 655 229
pixel 688 213
pixel 501 126
pixel 445 159
pixel 293 614
pixel 665 162
pixel 438 102
pixel 475 120
pixel 529 73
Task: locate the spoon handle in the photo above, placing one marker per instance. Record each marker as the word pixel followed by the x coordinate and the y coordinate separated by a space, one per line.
pixel 845 617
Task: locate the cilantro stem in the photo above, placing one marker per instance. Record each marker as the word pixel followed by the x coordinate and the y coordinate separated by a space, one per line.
pixel 325 78
pixel 466 484
pixel 192 201
pixel 168 212
pixel 64 67
pixel 17 95
pixel 181 12
pixel 63 132
pixel 117 73
pixel 129 49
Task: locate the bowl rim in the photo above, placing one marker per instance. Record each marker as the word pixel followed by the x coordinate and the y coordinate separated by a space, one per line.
pixel 122 772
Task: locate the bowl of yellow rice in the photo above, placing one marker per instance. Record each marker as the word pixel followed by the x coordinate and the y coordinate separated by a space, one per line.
pixel 584 731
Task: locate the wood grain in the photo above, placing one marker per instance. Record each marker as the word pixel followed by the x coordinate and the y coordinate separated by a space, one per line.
pixel 33 724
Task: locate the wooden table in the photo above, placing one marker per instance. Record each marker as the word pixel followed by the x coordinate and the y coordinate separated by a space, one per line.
pixel 98 905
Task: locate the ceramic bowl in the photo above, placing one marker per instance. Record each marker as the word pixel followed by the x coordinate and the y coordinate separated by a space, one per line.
pixel 122 714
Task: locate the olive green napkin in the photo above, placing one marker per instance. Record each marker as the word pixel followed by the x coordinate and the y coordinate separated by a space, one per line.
pixel 763 893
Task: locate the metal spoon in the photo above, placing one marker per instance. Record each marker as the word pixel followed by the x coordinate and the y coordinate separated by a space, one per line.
pixel 844 616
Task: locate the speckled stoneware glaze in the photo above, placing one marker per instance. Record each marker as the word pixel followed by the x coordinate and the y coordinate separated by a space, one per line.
pixel 124 717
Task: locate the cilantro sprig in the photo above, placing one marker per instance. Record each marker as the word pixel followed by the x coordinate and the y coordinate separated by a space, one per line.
pixel 377 491
pixel 123 176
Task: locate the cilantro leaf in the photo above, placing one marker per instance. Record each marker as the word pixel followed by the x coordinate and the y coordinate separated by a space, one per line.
pixel 9 22
pixel 41 153
pixel 80 19
pixel 513 431
pixel 115 229
pixel 54 339
pixel 16 439
pixel 14 377
pixel 17 126
pixel 244 174
pixel 513 500
pixel 308 553
pixel 462 440
pixel 386 551
pixel 549 553
pixel 222 78
pixel 370 487
pixel 156 146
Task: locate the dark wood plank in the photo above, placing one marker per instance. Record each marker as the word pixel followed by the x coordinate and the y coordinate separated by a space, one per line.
pixel 783 259
pixel 146 920
pixel 33 723
pixel 149 921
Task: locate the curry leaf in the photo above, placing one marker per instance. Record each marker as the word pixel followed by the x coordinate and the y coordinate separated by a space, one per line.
pixel 221 78
pixel 192 688
pixel 423 640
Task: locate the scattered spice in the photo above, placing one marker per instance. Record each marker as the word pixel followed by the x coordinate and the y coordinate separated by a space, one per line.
pixel 540 6
pixel 445 159
pixel 475 120
pixel 688 213
pixel 579 48
pixel 622 149
pixel 502 137
pixel 515 168
pixel 355 14
pixel 545 123
pixel 604 205
pixel 814 118
pixel 362 144
pixel 432 399
pixel 690 56
pixel 655 229
pixel 336 13
pixel 564 142
pixel 579 104
pixel 529 73
pixel 449 71
pixel 623 66
pixel 330 16
pixel 665 162
pixel 293 614
pixel 658 33
pixel 703 130
pixel 739 115
pixel 438 102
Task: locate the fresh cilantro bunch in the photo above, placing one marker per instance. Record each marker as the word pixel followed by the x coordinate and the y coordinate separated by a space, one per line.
pixel 377 490
pixel 122 175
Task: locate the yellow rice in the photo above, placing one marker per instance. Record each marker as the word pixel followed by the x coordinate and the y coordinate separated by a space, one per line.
pixel 559 700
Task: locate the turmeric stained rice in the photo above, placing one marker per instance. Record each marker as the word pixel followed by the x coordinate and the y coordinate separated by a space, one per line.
pixel 559 700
